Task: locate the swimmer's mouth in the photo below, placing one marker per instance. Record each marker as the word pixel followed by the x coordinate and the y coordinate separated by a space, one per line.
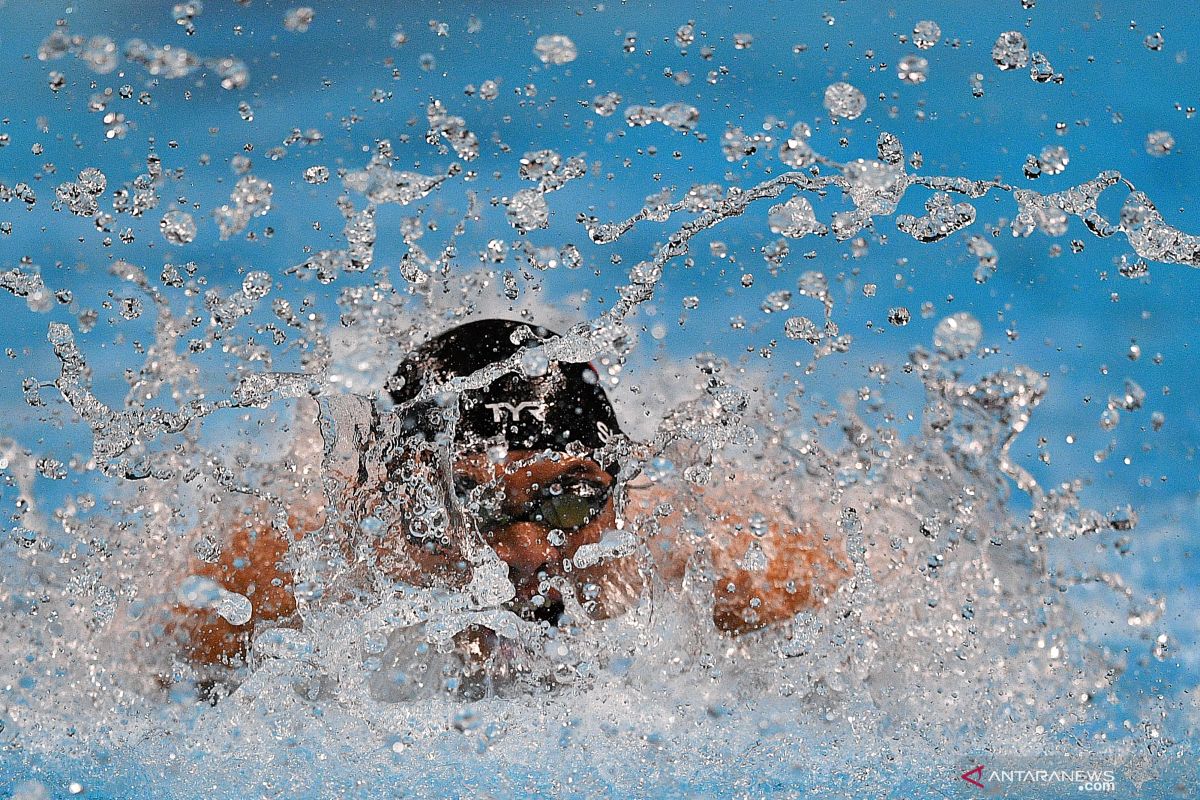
pixel 531 605
pixel 550 611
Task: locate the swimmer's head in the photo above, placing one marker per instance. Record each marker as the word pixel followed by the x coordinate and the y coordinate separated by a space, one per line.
pixel 543 406
pixel 534 512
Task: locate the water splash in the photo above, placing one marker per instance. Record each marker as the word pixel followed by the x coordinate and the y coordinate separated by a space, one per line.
pixel 923 528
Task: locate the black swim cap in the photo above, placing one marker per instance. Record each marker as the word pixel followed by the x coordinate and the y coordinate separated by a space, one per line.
pixel 562 404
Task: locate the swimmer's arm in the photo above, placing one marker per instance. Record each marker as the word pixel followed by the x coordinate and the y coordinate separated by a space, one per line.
pixel 251 564
pixel 768 575
pixel 798 567
pixel 254 556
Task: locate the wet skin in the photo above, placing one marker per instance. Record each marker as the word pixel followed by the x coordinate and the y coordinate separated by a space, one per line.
pixel 801 566
pixel 515 492
pixel 529 542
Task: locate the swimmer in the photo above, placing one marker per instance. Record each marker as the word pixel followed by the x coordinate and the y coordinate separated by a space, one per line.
pixel 533 477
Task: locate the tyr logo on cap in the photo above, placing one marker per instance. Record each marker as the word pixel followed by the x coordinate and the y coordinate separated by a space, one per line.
pixel 536 409
pixel 566 405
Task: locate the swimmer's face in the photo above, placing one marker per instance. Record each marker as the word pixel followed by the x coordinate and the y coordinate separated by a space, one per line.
pixel 535 512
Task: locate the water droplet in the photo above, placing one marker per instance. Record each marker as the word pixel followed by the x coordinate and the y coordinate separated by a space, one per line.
pixel 926 34
pixel 944 217
pixel 534 363
pixel 234 608
pixel 297 20
pixel 1041 71
pixel 555 49
pixel 316 175
pixel 777 301
pixel 912 69
pixel 233 73
pixel 844 100
pixel 453 129
pixel 178 227
pixel 527 210
pixel 685 34
pixel 1133 398
pixel 754 560
pixel 537 165
pixel 1053 159
pixel 1011 50
pixel 680 116
pixel 1159 143
pixel 795 219
pixel 51 468
pixel 985 252
pixel 92 180
pixel 197 592
pixel 957 335
pixel 605 104
pixel 207 548
pixel 251 197
pixel 889 148
pixel 795 150
pixel 1123 518
pixel 31 789
pixel 256 285
pixel 99 54
pixel 185 13
pixel 976 80
pixel 798 328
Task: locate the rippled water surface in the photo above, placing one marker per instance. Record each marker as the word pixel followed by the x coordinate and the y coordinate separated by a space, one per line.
pixel 895 305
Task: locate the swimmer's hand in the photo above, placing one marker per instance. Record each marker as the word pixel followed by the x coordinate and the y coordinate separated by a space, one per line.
pixel 763 570
pixel 251 565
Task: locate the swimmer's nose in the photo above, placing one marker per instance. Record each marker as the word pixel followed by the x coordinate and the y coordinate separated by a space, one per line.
pixel 524 547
